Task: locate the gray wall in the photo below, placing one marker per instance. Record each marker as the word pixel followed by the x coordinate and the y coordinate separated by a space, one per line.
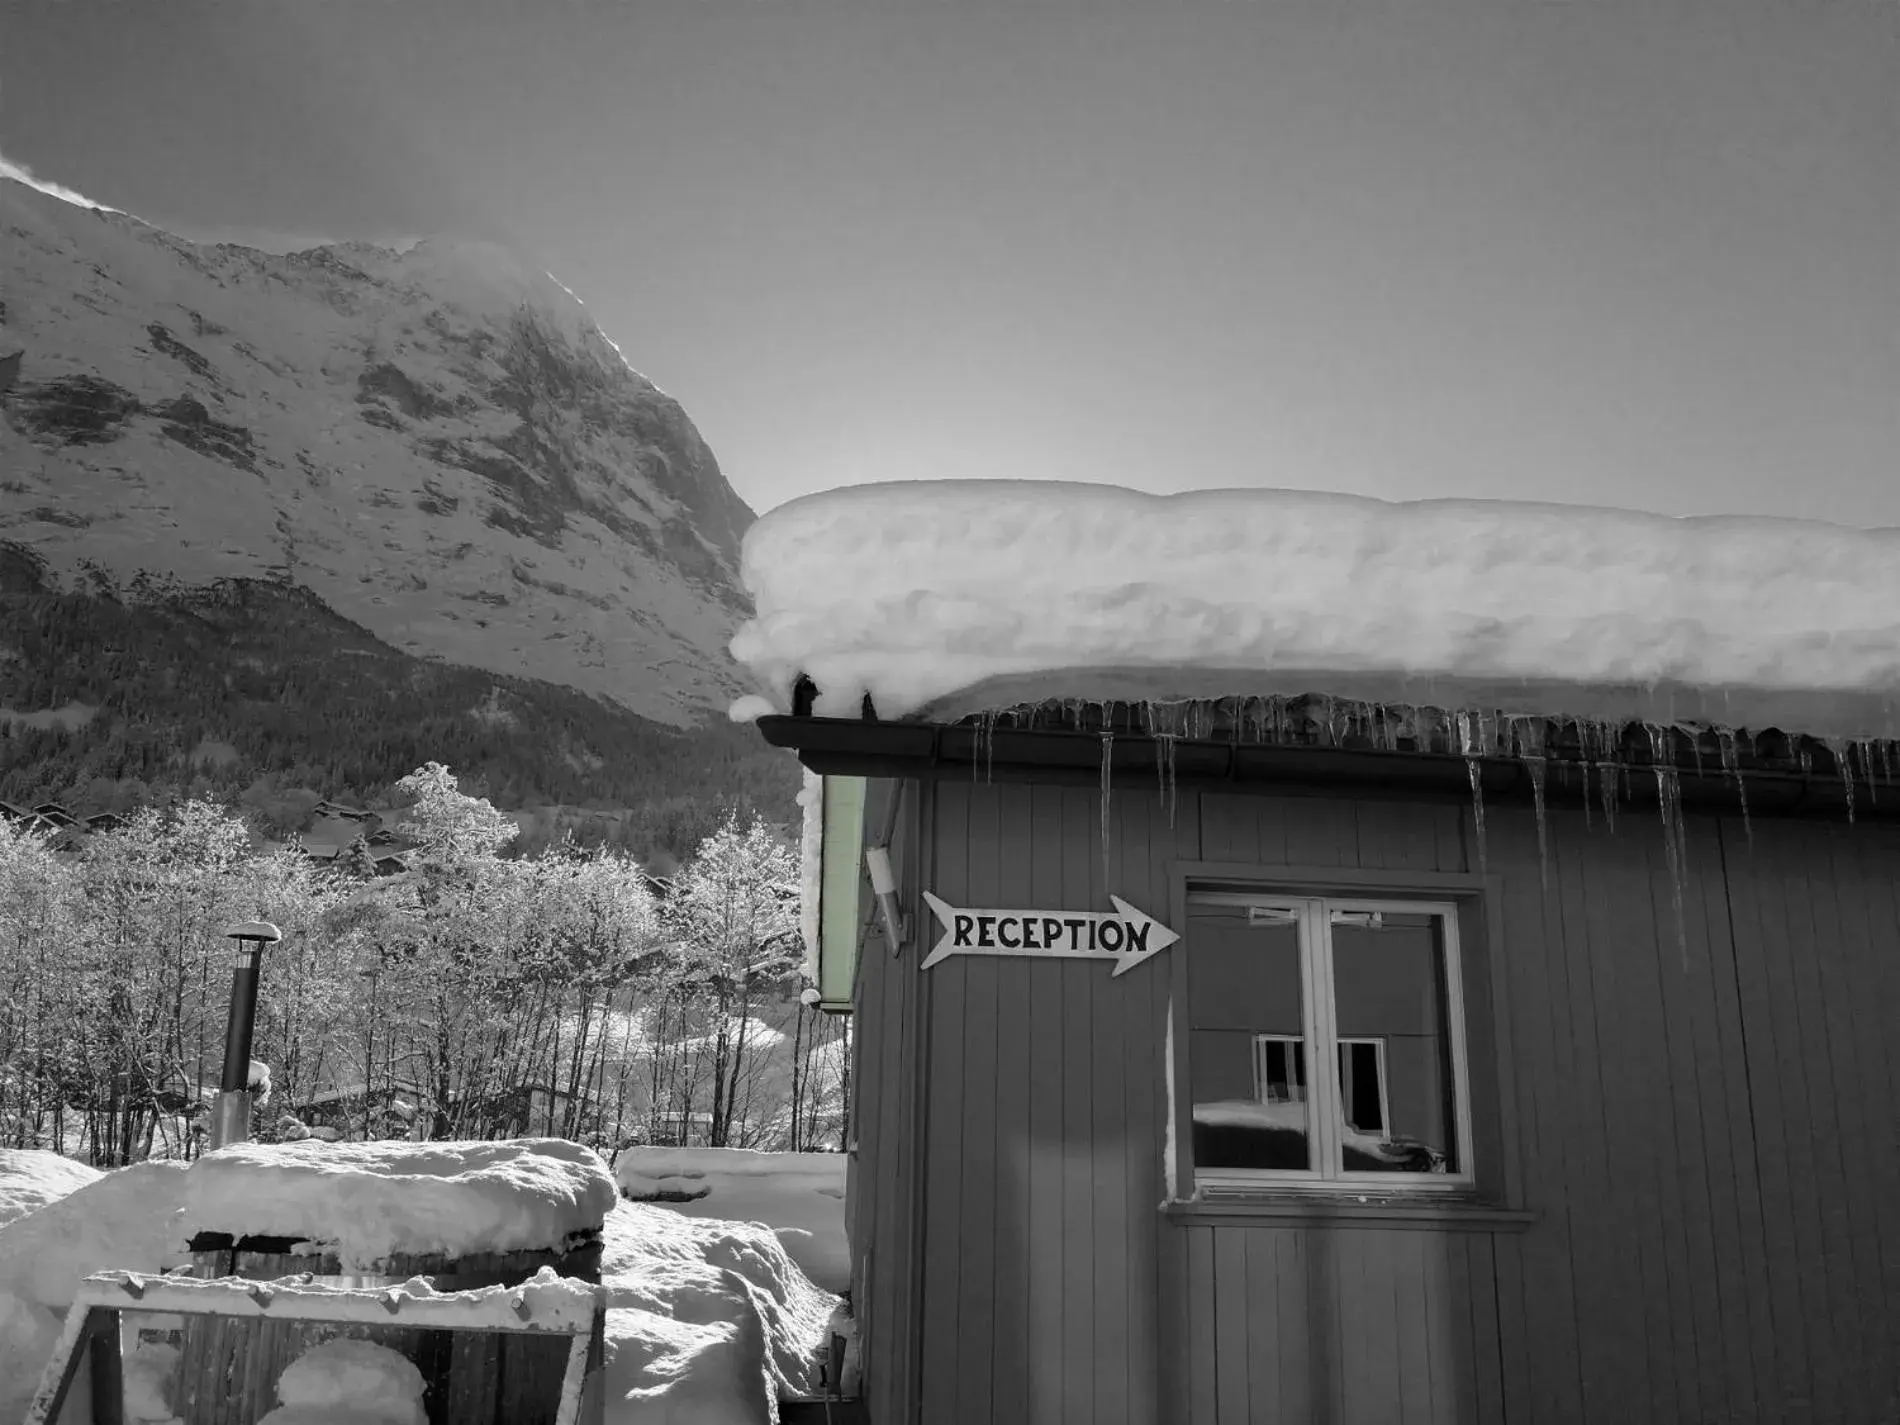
pixel 1705 1130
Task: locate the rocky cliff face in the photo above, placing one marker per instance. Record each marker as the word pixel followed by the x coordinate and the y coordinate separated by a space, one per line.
pixel 438 443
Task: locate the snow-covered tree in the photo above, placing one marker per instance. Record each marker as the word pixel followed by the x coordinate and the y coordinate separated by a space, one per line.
pixel 732 914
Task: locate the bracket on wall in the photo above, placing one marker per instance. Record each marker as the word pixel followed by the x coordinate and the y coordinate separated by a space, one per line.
pixel 877 860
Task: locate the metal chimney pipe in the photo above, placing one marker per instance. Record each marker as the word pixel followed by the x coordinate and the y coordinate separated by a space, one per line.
pixel 231 1113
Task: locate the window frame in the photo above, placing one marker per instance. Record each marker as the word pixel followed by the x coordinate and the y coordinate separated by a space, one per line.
pixel 1490 1176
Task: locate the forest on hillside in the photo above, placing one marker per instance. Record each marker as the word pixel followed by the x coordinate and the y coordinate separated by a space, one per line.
pixel 471 996
pixel 256 690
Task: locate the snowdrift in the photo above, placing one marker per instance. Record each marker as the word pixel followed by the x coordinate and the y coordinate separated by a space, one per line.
pixel 800 1196
pixel 33 1177
pixel 708 1322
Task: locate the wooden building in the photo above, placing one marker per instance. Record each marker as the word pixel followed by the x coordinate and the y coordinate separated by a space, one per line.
pixel 1610 1129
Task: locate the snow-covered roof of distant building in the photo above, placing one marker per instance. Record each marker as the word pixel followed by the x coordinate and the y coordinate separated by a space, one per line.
pixel 939 600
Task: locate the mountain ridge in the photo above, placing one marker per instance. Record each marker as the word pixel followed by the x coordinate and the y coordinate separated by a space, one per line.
pixel 438 442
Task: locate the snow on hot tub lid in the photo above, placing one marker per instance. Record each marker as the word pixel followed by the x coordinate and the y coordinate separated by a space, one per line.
pixel 365 1202
pixel 942 599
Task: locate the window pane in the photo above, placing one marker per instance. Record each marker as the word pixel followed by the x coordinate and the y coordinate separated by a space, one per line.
pixel 1247 1054
pixel 1395 1077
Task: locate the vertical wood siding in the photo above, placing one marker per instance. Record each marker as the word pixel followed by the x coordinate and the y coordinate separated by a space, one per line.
pixel 1700 1105
pixel 882 1174
pixel 1043 1128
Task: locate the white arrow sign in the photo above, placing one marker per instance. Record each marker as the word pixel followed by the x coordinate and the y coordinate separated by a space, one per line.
pixel 1126 935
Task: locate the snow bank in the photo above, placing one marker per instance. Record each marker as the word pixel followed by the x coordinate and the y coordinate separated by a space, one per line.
pixel 800 1196
pixel 365 1201
pixel 28 1333
pixel 349 1382
pixel 708 1323
pixel 949 597
pixel 127 1218
pixel 33 1177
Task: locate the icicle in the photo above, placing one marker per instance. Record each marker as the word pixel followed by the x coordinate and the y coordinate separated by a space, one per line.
pixel 1583 768
pixel 1837 749
pixel 1164 770
pixel 1675 838
pixel 1732 763
pixel 986 744
pixel 1108 747
pixel 1610 778
pixel 1535 766
pixel 1524 740
pixel 1476 773
pixel 1474 769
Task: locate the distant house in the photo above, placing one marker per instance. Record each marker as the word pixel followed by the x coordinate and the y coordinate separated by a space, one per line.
pixel 537 1109
pixel 56 814
pixel 343 1106
pixel 104 821
pixel 391 865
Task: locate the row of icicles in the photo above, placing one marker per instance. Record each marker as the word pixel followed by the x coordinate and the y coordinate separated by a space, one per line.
pixel 1309 720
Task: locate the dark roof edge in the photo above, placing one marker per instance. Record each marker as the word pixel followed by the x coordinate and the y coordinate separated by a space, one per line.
pixel 854 747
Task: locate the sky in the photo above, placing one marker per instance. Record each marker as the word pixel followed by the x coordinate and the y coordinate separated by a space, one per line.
pixel 1642 253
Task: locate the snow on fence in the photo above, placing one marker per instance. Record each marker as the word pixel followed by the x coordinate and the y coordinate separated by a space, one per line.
pixel 547 1306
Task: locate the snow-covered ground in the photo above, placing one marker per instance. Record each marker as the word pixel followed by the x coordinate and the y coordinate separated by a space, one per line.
pixel 32 1177
pixel 708 1321
pixel 799 1195
pixel 959 596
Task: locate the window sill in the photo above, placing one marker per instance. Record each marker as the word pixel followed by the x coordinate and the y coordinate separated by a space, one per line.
pixel 1448 1214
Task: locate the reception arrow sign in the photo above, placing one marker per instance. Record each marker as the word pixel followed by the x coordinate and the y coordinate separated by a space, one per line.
pixel 1125 935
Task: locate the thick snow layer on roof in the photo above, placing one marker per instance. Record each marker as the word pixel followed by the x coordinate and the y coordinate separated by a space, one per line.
pixel 365 1201
pixel 800 1196
pixel 33 1177
pixel 949 597
pixel 707 1322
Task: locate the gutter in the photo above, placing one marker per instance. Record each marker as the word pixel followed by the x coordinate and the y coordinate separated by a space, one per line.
pixel 936 751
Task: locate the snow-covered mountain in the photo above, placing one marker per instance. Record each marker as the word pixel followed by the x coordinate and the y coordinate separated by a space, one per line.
pixel 438 443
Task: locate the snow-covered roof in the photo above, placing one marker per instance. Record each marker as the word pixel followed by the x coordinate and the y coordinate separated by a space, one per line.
pixel 942 599
pixel 366 1201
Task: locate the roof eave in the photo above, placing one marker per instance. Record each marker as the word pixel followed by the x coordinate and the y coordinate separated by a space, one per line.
pixel 924 750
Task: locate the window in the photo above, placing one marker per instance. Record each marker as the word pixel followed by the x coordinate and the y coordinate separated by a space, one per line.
pixel 1276 983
